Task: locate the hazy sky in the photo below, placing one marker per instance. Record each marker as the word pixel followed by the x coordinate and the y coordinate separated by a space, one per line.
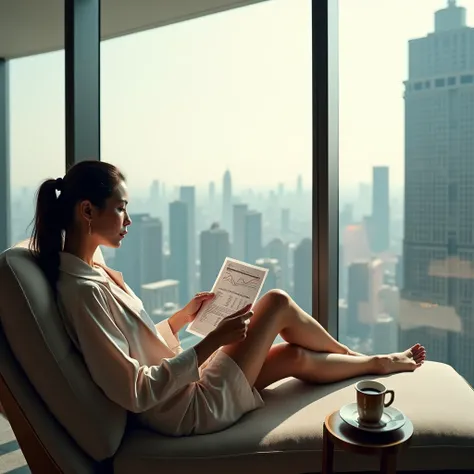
pixel 183 102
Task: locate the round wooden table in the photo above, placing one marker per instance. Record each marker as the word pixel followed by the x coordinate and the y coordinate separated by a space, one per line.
pixel 336 432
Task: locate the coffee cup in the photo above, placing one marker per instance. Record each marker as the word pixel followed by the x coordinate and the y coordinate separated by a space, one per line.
pixel 371 396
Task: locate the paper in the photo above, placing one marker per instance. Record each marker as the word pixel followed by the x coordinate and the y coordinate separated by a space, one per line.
pixel 237 285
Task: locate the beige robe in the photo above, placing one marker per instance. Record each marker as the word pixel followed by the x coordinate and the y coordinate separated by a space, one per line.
pixel 142 367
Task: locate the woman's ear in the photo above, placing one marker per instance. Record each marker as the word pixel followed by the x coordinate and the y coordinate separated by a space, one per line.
pixel 85 210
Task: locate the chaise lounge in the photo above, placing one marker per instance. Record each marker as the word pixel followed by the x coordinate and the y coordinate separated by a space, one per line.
pixel 64 423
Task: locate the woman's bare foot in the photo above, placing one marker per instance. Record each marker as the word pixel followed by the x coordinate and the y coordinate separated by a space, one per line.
pixel 406 361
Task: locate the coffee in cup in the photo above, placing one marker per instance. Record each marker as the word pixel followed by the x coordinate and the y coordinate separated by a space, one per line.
pixel 371 397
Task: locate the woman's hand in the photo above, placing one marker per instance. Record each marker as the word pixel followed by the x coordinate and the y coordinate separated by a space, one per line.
pixel 232 328
pixel 189 312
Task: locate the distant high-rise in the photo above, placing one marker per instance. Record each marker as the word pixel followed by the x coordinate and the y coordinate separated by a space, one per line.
pixel 179 248
pixel 238 239
pixel 253 236
pixel 273 279
pixel 187 194
pixel 277 249
pixel 365 279
pixel 215 248
pixel 227 202
pixel 212 194
pixel 285 221
pixel 155 196
pixel 303 271
pixel 380 222
pixel 140 258
pixel 439 179
pixel 299 185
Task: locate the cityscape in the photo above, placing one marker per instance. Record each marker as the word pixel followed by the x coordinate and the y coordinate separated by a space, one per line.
pixel 406 251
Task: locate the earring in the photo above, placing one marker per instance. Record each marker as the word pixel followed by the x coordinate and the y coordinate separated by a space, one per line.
pixel 90 228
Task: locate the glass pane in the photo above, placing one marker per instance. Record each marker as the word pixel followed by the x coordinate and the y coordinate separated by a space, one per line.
pixel 407 178
pixel 210 120
pixel 37 144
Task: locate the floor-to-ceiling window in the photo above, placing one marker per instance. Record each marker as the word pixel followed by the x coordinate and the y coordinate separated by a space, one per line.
pixel 211 122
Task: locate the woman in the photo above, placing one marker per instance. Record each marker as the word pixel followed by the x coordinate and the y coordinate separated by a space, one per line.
pixel 142 367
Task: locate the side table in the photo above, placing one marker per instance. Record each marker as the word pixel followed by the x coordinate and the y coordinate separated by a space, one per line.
pixel 336 432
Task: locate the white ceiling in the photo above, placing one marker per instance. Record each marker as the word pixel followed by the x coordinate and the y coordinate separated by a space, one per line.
pixel 36 26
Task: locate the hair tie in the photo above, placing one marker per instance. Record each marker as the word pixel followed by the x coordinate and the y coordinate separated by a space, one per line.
pixel 58 185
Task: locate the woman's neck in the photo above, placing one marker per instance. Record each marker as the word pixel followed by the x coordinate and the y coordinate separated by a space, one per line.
pixel 81 248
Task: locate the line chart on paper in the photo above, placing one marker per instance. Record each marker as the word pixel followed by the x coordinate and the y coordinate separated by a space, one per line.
pixel 238 278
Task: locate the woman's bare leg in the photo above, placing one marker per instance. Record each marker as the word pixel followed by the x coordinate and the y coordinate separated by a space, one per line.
pixel 288 360
pixel 276 313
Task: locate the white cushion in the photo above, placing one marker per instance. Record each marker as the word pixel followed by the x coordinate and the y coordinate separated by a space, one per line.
pixel 39 341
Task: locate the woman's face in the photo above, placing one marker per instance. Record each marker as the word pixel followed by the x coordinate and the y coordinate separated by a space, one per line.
pixel 109 225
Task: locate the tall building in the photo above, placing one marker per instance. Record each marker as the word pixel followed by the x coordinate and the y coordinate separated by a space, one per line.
pixel 187 194
pixel 277 249
pixel 227 202
pixel 215 247
pixel 303 282
pixel 140 258
pixel 179 247
pixel 253 236
pixel 439 179
pixel 239 232
pixel 156 295
pixel 380 221
pixel 273 279
pixel 365 279
pixel 212 195
pixel 285 221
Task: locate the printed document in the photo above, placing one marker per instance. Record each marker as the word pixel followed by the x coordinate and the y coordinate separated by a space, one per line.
pixel 237 285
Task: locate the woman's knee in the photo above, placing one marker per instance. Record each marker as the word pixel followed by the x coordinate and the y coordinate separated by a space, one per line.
pixel 292 355
pixel 277 298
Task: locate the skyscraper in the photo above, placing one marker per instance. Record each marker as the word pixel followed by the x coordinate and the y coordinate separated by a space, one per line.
pixel 253 236
pixel 179 248
pixel 380 222
pixel 238 239
pixel 215 248
pixel 439 179
pixel 303 275
pixel 285 221
pixel 187 194
pixel 140 258
pixel 277 249
pixel 227 202
pixel 273 279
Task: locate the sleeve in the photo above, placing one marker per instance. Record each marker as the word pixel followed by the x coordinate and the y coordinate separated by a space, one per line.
pixel 105 349
pixel 172 340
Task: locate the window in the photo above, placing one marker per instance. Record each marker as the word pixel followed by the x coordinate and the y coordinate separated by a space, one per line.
pixel 211 122
pixel 37 130
pixel 405 171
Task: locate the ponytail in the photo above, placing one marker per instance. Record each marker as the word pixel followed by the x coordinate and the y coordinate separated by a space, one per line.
pixel 47 239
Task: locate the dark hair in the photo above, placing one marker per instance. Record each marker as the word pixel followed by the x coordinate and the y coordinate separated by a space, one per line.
pixel 94 181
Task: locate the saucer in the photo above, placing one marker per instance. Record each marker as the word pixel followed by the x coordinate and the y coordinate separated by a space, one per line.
pixel 392 419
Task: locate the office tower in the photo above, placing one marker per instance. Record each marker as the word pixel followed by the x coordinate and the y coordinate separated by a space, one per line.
pixel 179 247
pixel 355 243
pixel 380 210
pixel 299 185
pixel 212 195
pixel 303 281
pixel 277 249
pixel 365 279
pixel 227 202
pixel 399 273
pixel 273 279
pixel 439 178
pixel 346 217
pixel 385 335
pixel 215 247
pixel 156 295
pixel 140 257
pixel 187 194
pixel 154 198
pixel 285 221
pixel 364 201
pixel 253 236
pixel 239 226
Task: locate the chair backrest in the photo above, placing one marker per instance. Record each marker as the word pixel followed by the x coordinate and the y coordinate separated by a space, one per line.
pixel 47 375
